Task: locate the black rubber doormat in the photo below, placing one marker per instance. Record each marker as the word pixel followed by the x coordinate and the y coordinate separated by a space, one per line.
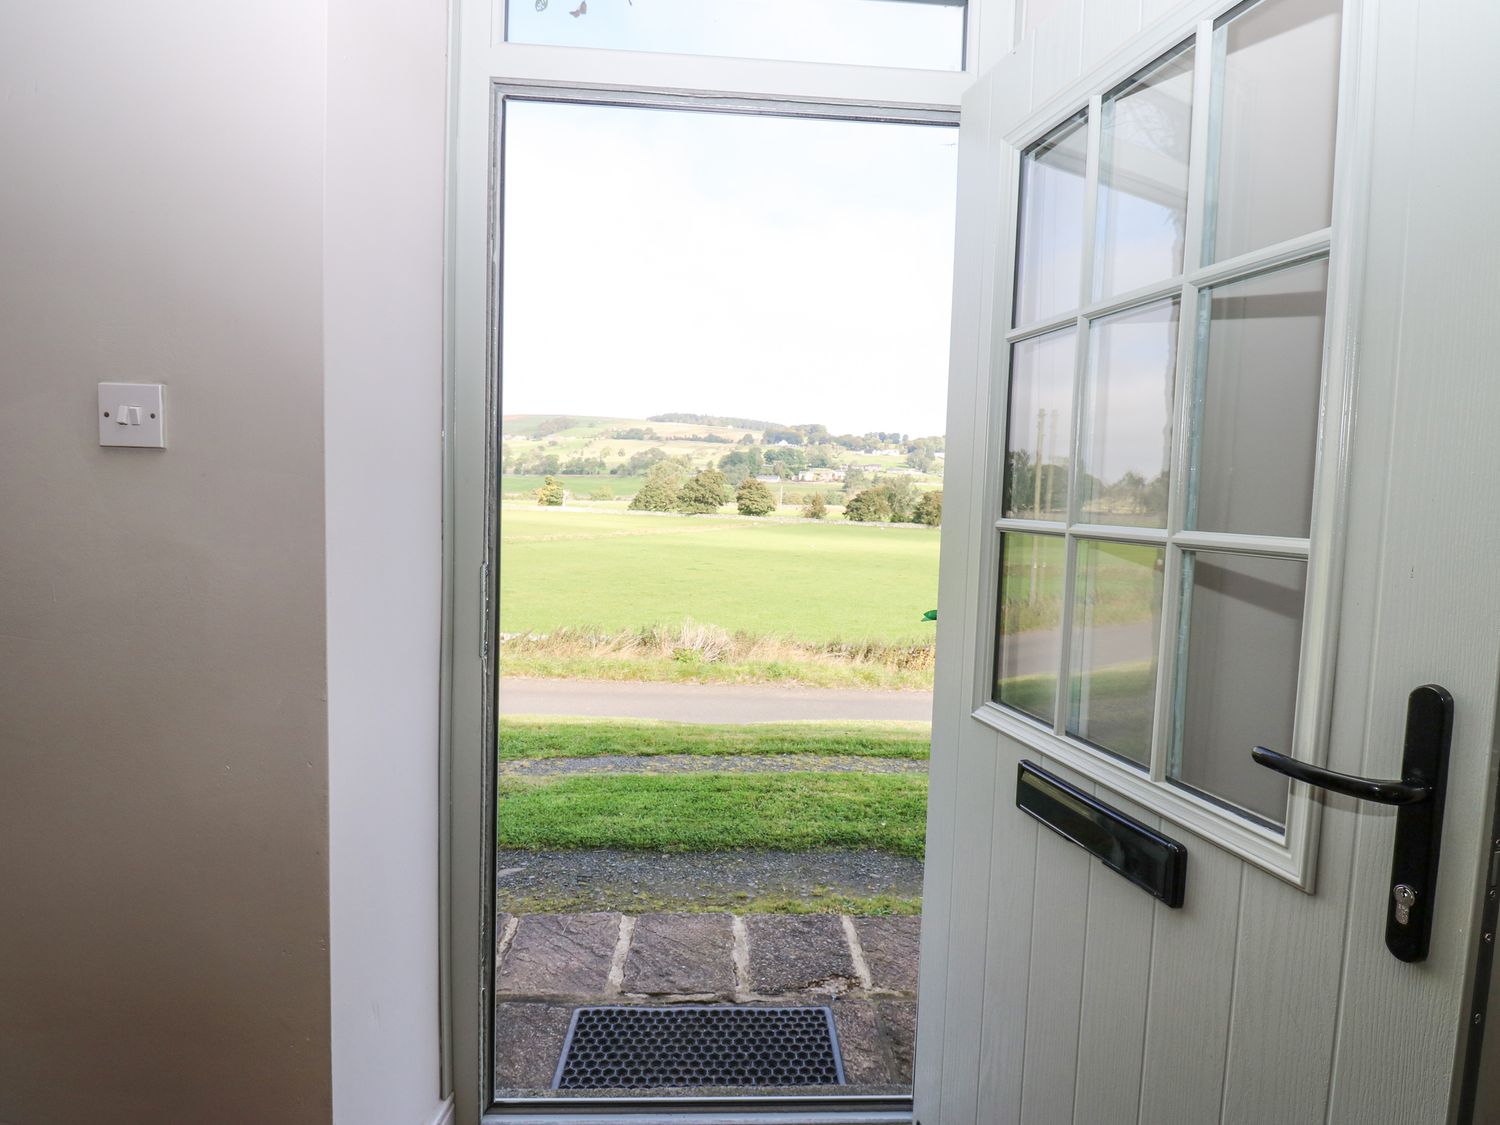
pixel 629 1047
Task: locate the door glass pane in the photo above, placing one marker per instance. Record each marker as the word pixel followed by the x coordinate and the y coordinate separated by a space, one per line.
pixel 1239 645
pixel 1116 627
pixel 1143 177
pixel 1030 634
pixel 1275 106
pixel 1261 369
pixel 1127 411
pixel 925 34
pixel 1049 249
pixel 1039 426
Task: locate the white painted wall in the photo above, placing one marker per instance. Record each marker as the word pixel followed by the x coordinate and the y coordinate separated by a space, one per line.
pixel 163 731
pixel 383 397
pixel 218 868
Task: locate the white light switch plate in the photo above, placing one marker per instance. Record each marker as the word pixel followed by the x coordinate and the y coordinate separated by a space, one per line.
pixel 132 414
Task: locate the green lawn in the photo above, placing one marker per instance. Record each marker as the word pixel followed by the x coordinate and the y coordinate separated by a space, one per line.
pixel 808 581
pixel 716 812
pixel 565 737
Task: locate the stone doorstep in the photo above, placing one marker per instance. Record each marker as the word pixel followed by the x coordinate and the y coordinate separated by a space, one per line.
pixel 607 956
pixel 875 1042
pixel 549 964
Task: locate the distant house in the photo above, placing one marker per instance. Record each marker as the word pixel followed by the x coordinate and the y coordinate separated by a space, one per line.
pixel 820 476
pixel 768 478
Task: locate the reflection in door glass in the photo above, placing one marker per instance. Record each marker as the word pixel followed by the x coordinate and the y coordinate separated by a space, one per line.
pixel 921 34
pixel 1240 643
pixel 1127 410
pixel 1116 630
pixel 1049 250
pixel 1040 426
pixel 1143 177
pixel 1261 370
pixel 1274 111
pixel 1030 633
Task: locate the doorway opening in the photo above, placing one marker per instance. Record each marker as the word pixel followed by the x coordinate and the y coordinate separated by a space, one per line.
pixel 722 372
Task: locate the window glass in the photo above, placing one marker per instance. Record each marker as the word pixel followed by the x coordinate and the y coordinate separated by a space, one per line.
pixel 1116 630
pixel 1173 465
pixel 1049 250
pixel 1143 177
pixel 920 34
pixel 1031 579
pixel 1261 371
pixel 1240 641
pixel 1275 105
pixel 1127 411
pixel 1039 426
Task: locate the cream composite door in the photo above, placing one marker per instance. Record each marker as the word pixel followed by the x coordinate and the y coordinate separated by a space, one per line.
pixel 1221 472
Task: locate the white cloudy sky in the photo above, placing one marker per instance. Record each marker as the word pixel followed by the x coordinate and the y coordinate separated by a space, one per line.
pixel 787 269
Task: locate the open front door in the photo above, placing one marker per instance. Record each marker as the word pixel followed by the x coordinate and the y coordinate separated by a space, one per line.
pixel 1221 474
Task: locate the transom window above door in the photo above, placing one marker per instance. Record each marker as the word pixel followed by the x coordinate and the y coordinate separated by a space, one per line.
pixel 919 34
pixel 1169 452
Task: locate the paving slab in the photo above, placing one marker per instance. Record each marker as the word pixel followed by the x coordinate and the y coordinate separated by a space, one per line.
pixel 559 955
pixel 891 947
pixel 681 954
pixel 898 1024
pixel 798 953
pixel 866 1058
pixel 528 1043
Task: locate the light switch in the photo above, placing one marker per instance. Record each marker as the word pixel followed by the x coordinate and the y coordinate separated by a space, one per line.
pixel 132 414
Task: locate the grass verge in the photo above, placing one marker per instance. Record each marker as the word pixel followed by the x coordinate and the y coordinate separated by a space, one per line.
pixel 665 670
pixel 547 736
pixel 691 653
pixel 716 812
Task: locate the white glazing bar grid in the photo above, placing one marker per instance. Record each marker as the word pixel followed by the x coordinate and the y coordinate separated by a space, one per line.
pixel 1191 287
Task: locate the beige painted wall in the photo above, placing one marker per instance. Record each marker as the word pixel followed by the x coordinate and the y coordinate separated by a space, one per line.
pixel 163 746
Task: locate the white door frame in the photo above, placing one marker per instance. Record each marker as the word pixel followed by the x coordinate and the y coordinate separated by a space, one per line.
pixel 988 915
pixel 482 66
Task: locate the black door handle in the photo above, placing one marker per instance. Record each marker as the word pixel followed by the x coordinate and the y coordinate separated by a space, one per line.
pixel 1405 792
pixel 1419 820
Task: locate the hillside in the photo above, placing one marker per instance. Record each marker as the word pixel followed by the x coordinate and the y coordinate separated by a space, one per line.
pixel 609 456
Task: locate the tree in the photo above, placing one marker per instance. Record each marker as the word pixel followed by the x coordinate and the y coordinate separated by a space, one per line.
pixel 900 495
pixel 854 479
pixel 929 509
pixel 659 491
pixel 704 494
pixel 870 506
pixel 551 493
pixel 789 460
pixel 640 462
pixel 740 464
pixel 816 509
pixel 754 499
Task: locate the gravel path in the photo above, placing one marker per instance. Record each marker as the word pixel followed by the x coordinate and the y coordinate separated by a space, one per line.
pixel 708 763
pixel 601 879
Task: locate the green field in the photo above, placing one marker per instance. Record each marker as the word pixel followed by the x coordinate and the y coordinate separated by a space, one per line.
pixel 814 582
pixel 581 485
